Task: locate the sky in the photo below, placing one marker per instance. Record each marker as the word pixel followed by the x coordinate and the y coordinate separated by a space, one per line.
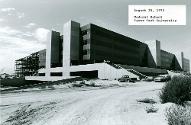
pixel 24 24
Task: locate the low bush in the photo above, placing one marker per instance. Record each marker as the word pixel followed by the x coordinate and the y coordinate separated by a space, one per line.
pixel 147 100
pixel 84 84
pixel 92 84
pixel 178 90
pixel 178 115
pixel 77 85
pixel 151 109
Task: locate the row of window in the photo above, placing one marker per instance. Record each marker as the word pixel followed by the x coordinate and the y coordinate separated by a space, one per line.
pixel 51 74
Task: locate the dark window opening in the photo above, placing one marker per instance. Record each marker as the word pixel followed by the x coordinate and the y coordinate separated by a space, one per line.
pixel 75 62
pixel 41 74
pixel 85 52
pixel 86 74
pixel 53 65
pixel 56 74
pixel 85 42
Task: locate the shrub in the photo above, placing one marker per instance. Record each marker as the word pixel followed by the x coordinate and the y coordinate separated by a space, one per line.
pixel 77 85
pixel 92 84
pixel 147 100
pixel 151 109
pixel 178 90
pixel 82 83
pixel 178 115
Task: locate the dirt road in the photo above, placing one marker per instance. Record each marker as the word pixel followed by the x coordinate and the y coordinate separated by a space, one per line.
pixel 103 106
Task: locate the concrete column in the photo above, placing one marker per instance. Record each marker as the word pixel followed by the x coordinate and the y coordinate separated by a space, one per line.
pixel 158 53
pixel 66 49
pixel 48 55
pixel 182 59
pixel 71 45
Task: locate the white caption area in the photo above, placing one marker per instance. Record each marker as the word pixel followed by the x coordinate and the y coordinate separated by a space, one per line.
pixel 156 14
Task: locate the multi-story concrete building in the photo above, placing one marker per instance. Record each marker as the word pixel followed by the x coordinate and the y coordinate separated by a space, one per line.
pixel 101 44
pixel 93 51
pixel 29 65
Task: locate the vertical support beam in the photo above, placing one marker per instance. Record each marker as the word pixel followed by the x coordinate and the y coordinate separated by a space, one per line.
pixel 182 59
pixel 71 45
pixel 48 55
pixel 158 53
pixel 66 49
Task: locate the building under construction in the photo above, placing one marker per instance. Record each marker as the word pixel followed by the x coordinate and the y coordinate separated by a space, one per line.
pixel 29 65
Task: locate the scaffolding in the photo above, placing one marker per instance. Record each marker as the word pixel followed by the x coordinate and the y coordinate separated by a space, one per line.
pixel 27 66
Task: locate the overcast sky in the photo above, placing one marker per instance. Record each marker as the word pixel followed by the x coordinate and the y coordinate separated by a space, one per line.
pixel 24 24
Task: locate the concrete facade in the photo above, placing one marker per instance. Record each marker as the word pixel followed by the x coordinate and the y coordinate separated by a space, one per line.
pixel 85 51
pixel 185 63
pixel 101 44
pixel 164 59
pixel 42 58
pixel 169 61
pixel 56 49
